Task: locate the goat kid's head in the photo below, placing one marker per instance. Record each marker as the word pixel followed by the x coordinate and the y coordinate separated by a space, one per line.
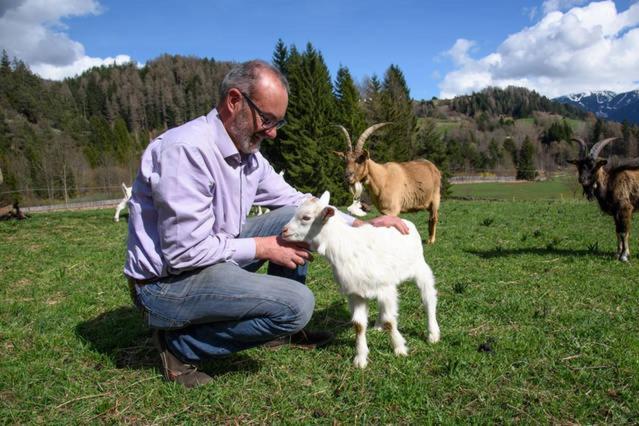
pixel 308 220
pixel 355 159
pixel 589 164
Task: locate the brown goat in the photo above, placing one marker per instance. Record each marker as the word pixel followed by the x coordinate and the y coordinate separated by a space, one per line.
pixel 615 187
pixel 394 187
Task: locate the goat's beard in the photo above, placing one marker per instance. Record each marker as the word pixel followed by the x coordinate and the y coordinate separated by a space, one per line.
pixel 589 192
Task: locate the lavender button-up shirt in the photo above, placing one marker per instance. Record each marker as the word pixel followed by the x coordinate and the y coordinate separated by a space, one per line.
pixel 191 198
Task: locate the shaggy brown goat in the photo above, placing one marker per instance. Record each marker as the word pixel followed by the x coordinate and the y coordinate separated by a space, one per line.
pixel 615 187
pixel 394 187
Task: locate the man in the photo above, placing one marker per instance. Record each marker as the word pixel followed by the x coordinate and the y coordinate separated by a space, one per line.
pixel 192 254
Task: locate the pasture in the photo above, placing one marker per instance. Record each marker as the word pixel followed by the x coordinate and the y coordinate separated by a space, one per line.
pixel 539 325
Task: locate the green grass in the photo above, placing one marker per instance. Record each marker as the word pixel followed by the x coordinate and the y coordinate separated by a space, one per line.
pixel 539 325
pixel 559 188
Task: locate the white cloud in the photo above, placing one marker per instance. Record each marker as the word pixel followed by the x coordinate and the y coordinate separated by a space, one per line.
pixel 32 31
pixel 593 47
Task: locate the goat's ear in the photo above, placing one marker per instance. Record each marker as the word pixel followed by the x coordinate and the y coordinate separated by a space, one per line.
pixel 327 213
pixel 601 162
pixel 340 154
pixel 363 156
pixel 325 198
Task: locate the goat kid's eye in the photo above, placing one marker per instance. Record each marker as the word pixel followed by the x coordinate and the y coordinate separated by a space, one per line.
pixel 306 218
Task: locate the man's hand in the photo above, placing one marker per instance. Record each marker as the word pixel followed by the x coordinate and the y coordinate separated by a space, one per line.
pixel 386 221
pixel 281 252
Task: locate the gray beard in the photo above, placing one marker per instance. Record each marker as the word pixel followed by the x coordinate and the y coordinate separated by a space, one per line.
pixel 243 137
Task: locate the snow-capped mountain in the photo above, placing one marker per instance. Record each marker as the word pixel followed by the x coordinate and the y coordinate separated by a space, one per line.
pixel 607 104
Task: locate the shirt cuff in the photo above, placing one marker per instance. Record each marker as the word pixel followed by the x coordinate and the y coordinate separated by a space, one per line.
pixel 346 218
pixel 243 251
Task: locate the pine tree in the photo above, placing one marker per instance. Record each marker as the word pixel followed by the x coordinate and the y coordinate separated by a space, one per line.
pixel 526 164
pixel 308 138
pixel 430 145
pixel 280 57
pixel 399 144
pixel 349 111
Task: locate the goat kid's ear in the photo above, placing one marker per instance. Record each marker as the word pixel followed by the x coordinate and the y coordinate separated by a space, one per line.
pixel 327 213
pixel 325 198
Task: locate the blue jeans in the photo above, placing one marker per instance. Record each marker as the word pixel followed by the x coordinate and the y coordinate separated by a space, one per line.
pixel 223 308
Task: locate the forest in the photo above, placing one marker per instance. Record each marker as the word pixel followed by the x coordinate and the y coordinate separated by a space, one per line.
pixel 72 139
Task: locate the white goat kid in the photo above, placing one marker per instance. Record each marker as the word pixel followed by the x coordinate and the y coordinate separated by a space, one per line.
pixel 368 263
pixel 127 196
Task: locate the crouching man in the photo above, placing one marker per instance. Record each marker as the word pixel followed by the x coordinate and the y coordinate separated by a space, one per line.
pixel 192 253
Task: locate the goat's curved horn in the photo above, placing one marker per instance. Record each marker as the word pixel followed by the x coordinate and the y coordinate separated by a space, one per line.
pixel 596 149
pixel 348 137
pixel 366 134
pixel 583 148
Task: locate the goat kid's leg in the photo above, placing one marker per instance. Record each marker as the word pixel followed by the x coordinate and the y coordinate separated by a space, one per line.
pixel 359 312
pixel 426 282
pixel 388 317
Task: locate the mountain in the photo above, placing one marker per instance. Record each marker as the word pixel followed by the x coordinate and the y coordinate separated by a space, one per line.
pixel 607 104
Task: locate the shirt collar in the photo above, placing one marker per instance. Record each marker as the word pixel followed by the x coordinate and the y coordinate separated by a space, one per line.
pixel 226 146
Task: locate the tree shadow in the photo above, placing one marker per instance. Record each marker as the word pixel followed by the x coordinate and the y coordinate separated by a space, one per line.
pixel 540 251
pixel 121 335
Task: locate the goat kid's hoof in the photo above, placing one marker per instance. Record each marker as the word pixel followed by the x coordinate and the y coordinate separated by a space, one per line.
pixel 623 258
pixel 360 362
pixel 401 351
pixel 433 337
pixel 378 326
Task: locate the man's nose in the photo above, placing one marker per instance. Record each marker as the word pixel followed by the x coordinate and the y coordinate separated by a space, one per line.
pixel 271 133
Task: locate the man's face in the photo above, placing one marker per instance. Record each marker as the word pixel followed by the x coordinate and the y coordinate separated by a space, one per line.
pixel 258 115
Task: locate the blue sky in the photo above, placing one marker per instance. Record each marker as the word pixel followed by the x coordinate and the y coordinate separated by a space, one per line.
pixel 444 48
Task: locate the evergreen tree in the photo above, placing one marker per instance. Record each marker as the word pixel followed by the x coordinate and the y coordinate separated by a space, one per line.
pixel 430 146
pixel 280 57
pixel 308 139
pixel 398 142
pixel 526 164
pixel 349 111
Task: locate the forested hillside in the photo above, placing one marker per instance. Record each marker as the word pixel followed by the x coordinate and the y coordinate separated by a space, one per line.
pixel 84 135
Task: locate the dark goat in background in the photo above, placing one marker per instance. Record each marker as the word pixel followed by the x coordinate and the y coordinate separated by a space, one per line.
pixel 615 186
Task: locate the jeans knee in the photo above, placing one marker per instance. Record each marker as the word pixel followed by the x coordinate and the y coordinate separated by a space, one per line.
pixel 301 309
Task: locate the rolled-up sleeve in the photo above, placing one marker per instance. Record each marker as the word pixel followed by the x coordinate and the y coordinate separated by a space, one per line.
pixel 183 195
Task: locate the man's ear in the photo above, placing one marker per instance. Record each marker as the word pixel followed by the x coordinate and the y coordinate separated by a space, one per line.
pixel 327 213
pixel 362 157
pixel 234 100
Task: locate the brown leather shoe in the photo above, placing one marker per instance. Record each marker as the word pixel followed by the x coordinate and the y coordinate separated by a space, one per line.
pixel 303 339
pixel 175 370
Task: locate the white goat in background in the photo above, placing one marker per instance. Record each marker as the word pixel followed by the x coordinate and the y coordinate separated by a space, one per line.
pixel 127 196
pixel 263 210
pixel 368 263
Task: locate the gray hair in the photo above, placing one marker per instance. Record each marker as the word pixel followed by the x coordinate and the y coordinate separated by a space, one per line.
pixel 244 76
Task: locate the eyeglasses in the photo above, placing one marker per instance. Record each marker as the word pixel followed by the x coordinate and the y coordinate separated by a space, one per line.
pixel 267 123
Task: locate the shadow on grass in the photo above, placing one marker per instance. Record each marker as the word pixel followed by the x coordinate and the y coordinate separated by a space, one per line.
pixel 121 335
pixel 540 251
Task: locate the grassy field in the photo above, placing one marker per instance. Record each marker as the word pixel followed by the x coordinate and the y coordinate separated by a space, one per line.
pixel 559 188
pixel 539 325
